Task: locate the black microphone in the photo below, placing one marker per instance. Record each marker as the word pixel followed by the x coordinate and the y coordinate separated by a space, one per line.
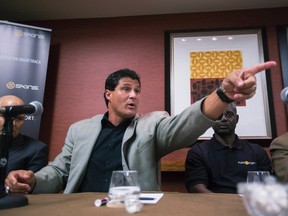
pixel 34 108
pixel 284 95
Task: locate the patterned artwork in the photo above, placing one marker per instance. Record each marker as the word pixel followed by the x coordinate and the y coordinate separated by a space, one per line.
pixel 207 70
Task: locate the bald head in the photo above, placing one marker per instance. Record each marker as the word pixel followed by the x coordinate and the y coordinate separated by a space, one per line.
pixel 11 100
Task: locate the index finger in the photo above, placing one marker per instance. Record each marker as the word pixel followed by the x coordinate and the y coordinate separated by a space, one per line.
pixel 258 68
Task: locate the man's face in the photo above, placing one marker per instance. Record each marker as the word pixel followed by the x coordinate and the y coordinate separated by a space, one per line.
pixel 226 124
pixel 124 100
pixel 18 123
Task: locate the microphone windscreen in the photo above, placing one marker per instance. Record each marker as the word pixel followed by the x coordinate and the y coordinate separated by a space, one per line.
pixel 284 95
pixel 38 107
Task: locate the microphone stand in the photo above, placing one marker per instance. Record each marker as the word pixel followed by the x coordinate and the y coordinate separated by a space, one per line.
pixel 7 200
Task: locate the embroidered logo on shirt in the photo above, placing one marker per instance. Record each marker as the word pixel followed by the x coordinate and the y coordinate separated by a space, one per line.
pixel 247 163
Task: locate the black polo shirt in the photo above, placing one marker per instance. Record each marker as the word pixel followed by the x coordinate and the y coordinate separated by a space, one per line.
pixel 220 168
pixel 105 157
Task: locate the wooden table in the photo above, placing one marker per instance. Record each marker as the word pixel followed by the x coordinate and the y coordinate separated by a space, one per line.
pixel 176 204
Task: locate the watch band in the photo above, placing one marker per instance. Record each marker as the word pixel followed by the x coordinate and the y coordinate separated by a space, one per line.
pixel 223 96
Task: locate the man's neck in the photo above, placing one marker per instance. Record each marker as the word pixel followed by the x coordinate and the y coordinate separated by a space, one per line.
pixel 116 120
pixel 228 140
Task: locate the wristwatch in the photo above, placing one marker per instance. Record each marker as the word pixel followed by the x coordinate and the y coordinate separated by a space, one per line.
pixel 223 97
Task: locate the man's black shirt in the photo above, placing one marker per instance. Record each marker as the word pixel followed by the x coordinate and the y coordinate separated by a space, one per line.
pixel 105 157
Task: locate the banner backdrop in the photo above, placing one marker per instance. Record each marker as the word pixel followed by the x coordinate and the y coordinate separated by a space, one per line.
pixel 24 52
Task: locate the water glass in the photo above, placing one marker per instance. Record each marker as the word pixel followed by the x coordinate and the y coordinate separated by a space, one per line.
pixel 257 176
pixel 122 183
pixel 132 203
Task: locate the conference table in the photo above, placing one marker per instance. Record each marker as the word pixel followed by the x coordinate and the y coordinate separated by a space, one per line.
pixel 172 203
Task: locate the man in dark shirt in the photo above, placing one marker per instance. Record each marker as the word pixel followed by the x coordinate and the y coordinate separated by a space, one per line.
pixel 219 164
pixel 106 156
pixel 25 152
pixel 127 140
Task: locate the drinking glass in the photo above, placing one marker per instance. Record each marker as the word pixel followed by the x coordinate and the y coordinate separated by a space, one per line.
pixel 122 183
pixel 257 176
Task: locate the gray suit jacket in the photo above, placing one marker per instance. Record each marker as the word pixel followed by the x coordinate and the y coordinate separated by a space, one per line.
pixel 279 155
pixel 148 138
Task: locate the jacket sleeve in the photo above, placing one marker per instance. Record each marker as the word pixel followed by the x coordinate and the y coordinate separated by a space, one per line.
pixel 279 155
pixel 182 130
pixel 56 173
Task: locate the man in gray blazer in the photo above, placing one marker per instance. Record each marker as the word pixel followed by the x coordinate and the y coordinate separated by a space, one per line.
pixel 279 156
pixel 122 139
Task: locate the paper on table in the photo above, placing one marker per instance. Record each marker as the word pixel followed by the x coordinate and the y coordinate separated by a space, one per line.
pixel 150 198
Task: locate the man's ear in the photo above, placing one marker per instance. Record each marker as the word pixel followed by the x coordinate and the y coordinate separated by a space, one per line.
pixel 107 94
pixel 237 118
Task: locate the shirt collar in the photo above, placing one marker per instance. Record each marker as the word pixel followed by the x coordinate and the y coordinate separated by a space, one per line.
pixel 106 123
pixel 218 146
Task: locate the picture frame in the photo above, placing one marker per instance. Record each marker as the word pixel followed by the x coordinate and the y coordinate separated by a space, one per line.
pixel 184 51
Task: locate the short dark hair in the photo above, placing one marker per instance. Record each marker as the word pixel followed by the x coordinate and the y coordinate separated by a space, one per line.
pixel 233 107
pixel 113 79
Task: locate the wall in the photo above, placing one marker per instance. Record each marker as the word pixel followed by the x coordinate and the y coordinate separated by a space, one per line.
pixel 83 52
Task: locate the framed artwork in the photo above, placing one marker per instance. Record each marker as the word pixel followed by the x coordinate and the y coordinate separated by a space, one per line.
pixel 197 61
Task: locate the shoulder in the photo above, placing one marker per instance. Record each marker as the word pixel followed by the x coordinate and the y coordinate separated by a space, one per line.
pixel 253 147
pixel 249 144
pixel 85 126
pixel 87 122
pixel 27 140
pixel 280 142
pixel 203 146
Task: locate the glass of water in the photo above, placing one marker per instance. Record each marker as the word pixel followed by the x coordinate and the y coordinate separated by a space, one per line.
pixel 122 183
pixel 257 176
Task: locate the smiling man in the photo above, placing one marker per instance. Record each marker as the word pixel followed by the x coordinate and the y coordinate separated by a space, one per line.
pixel 219 164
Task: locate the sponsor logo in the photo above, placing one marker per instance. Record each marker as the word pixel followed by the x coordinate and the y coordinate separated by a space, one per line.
pixel 20 33
pixel 247 163
pixel 30 118
pixel 12 85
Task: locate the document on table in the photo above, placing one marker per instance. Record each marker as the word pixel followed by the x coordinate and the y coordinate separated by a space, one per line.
pixel 150 198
